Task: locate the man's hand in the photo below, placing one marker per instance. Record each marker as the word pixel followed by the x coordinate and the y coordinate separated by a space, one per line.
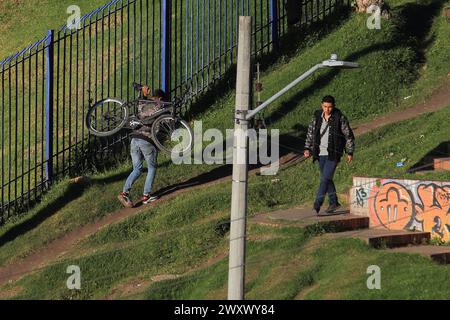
pixel 349 158
pixel 146 91
pixel 307 154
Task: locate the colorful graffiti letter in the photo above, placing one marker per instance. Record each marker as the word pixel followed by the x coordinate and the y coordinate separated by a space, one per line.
pixel 409 204
pixel 393 206
pixel 434 212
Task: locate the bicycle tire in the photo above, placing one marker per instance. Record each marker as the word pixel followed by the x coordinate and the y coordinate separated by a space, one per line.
pixel 160 144
pixel 99 105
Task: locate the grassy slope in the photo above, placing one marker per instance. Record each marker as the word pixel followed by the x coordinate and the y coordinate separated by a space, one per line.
pixel 27 22
pixel 86 205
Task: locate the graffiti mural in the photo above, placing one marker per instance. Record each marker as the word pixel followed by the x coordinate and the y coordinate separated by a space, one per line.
pixel 404 205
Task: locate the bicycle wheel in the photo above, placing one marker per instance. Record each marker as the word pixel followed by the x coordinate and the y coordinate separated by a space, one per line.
pixel 166 132
pixel 107 117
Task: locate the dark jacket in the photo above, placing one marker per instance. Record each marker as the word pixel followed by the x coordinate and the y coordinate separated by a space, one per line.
pixel 145 111
pixel 340 136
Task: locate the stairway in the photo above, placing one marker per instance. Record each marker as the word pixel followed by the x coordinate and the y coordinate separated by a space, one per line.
pixel 346 225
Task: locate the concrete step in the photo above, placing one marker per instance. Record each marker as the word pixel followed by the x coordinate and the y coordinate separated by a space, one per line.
pixel 442 164
pixel 440 254
pixel 307 218
pixel 379 238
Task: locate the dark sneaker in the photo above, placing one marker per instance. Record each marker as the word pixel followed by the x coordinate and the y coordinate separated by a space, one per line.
pixel 146 199
pixel 316 208
pixel 125 199
pixel 332 208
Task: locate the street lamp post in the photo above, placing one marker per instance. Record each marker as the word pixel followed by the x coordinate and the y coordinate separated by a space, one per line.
pixel 236 278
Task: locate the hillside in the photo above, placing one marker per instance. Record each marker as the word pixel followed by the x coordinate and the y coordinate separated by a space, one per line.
pixel 27 21
pixel 400 60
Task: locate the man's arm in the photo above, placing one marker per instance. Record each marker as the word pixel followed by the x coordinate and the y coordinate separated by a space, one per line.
pixel 310 137
pixel 349 136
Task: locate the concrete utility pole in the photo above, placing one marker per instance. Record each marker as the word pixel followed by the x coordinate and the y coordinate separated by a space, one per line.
pixel 236 272
pixel 240 169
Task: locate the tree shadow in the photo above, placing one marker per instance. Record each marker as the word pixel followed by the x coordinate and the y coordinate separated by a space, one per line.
pixel 73 192
pixel 410 33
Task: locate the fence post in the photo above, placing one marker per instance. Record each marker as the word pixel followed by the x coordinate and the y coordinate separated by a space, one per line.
pixel 274 23
pixel 49 59
pixel 166 47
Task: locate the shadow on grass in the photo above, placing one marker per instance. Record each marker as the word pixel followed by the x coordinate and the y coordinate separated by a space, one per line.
pixel 410 33
pixel 73 192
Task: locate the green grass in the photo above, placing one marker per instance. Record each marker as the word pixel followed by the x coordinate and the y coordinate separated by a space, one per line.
pixel 176 236
pixel 184 233
pixel 25 22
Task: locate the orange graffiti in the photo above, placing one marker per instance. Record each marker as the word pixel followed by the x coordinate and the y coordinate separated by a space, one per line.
pixel 434 211
pixel 393 206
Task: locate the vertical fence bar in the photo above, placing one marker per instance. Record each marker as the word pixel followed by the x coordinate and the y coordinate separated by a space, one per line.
pixel 49 108
pixel 141 39
pixel 16 127
pixel 197 40
pixel 134 42
pixel 220 39
pixel 128 53
pixel 187 43
pixel 9 135
pixel 76 98
pixel 274 23
pixel 42 133
pixel 36 85
pixel 29 129
pixel 147 43
pixel 63 110
pixel 225 35
pixel 214 42
pixel 70 145
pixel 2 210
pixel 166 33
pixel 23 138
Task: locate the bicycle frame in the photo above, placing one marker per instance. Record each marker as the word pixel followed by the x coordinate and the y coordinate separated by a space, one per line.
pixel 168 109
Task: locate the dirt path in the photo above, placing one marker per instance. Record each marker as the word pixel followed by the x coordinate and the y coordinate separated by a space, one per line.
pixel 139 284
pixel 58 248
pixel 438 100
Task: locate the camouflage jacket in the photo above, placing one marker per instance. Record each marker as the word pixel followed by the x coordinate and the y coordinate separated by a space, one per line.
pixel 145 110
pixel 340 139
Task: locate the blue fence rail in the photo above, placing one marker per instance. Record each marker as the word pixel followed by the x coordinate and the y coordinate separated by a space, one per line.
pixel 46 89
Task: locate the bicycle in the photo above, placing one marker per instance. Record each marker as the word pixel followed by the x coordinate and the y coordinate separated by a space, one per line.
pixel 108 116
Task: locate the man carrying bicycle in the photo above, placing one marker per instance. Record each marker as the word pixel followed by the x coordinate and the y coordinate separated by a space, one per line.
pixel 142 148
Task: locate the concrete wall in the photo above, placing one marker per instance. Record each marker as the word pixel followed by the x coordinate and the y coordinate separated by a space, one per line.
pixel 403 204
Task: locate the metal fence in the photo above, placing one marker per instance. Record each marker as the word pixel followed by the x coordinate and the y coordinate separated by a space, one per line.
pixel 47 87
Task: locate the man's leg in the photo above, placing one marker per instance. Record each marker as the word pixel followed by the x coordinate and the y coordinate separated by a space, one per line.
pixel 332 193
pixel 150 154
pixel 329 170
pixel 323 187
pixel 137 158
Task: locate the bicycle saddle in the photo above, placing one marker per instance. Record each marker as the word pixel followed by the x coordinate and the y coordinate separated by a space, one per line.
pixel 137 86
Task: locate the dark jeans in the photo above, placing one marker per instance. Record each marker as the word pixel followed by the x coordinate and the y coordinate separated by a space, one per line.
pixel 327 169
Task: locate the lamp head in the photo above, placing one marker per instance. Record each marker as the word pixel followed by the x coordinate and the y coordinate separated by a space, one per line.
pixel 333 62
